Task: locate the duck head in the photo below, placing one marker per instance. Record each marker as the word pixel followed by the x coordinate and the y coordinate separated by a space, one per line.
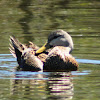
pixel 57 38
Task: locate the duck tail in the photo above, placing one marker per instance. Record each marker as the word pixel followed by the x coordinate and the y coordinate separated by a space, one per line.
pixel 16 48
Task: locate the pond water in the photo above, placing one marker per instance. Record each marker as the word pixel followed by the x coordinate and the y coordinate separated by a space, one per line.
pixel 33 20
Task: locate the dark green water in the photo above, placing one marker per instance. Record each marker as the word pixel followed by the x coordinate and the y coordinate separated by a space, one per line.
pixel 33 20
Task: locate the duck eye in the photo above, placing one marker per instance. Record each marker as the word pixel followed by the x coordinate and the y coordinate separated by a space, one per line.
pixel 53 37
pixel 56 36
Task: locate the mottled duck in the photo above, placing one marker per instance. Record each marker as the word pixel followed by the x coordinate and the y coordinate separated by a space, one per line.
pixel 57 58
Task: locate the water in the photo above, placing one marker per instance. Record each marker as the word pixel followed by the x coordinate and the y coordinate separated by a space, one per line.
pixel 33 20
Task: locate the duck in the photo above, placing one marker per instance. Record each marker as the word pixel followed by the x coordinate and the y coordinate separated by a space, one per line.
pixel 53 56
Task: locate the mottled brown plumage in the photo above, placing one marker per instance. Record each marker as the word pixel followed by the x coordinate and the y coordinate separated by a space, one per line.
pixel 59 60
pixel 25 55
pixel 31 57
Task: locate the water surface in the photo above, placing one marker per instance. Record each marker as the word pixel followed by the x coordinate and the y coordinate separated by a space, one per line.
pixel 33 20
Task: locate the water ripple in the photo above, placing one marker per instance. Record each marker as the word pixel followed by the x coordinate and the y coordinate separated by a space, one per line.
pixel 88 61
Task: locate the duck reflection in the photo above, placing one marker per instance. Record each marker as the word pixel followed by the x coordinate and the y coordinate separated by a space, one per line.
pixel 28 86
pixel 56 85
pixel 60 86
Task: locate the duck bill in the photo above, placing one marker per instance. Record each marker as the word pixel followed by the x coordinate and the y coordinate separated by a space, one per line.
pixel 43 48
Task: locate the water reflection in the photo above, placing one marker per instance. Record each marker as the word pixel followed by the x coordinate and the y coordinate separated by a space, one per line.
pixel 24 21
pixel 58 86
pixel 28 88
pixel 24 6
